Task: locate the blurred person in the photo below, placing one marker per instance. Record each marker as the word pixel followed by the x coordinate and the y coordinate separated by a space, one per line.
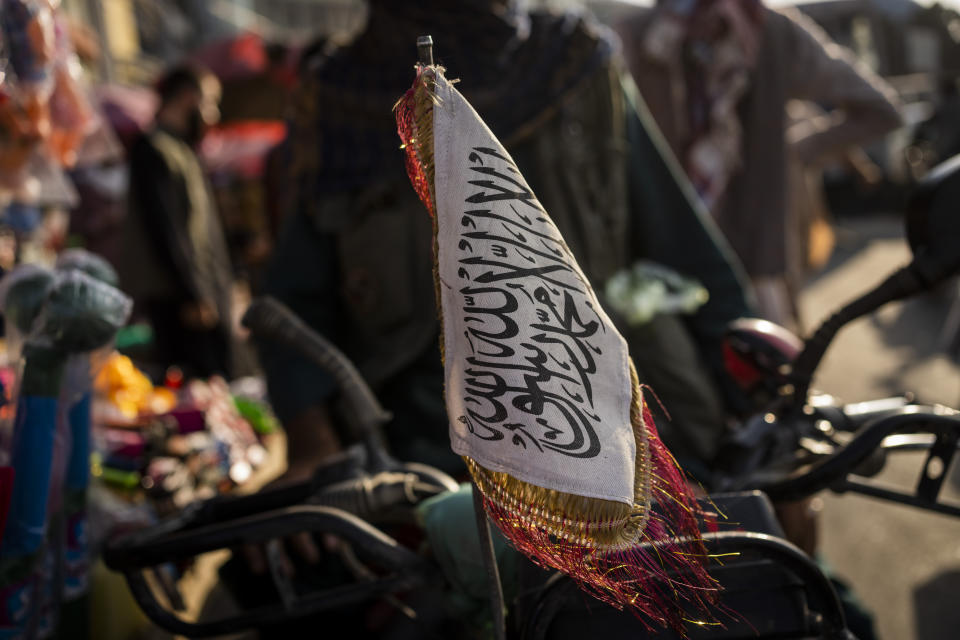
pixel 354 258
pixel 98 219
pixel 810 235
pixel 262 94
pixel 717 75
pixel 175 260
pixel 277 192
pixel 255 102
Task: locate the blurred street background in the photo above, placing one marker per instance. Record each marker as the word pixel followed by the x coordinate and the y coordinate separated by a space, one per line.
pixel 904 564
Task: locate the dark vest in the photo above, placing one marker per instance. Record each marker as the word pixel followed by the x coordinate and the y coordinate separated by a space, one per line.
pixel 573 157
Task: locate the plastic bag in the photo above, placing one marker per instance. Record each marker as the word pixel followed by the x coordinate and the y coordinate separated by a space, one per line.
pixel 90 263
pixel 647 289
pixel 22 294
pixel 72 117
pixel 81 313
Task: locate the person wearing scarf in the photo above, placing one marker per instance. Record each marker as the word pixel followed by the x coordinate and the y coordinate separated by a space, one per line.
pixel 717 76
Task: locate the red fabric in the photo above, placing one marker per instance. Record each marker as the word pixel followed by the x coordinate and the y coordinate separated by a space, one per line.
pixel 745 374
pixel 6 491
pixel 240 148
pixel 243 55
pixel 407 129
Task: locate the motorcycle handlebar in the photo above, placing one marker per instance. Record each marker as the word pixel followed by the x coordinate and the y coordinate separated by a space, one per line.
pixel 268 318
pixel 832 471
pixel 827 618
pixel 796 561
pixel 149 548
pixel 155 546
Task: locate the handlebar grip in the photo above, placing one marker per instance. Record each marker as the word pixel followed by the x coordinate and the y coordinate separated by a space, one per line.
pixel 231 507
pixel 269 318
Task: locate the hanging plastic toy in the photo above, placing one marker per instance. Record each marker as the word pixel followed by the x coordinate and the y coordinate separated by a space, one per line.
pixel 71 114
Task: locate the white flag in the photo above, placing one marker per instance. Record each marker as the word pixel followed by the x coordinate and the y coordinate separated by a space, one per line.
pixel 543 401
pixel 537 377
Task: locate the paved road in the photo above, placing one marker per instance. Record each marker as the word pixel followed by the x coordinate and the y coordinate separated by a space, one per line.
pixel 904 563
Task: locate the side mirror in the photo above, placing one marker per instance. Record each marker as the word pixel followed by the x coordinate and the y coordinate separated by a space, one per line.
pixel 933 222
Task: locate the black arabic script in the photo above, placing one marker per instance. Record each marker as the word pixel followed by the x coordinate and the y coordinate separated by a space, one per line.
pixel 530 321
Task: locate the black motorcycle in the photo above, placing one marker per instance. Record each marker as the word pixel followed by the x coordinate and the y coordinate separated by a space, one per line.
pixel 799 445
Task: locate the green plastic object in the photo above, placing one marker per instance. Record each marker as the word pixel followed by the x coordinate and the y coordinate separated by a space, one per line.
pixel 647 289
pixel 259 416
pixel 134 335
pixel 451 529
pixel 119 478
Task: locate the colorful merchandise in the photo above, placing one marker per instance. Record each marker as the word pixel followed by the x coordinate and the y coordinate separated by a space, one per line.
pixel 129 391
pixel 71 114
pixel 45 114
pixel 78 314
pixel 182 442
pixel 27 30
pixel 21 567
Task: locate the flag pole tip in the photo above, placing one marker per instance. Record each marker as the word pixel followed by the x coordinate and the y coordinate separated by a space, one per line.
pixel 425 49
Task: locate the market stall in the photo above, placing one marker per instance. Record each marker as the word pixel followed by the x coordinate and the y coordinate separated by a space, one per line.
pixel 91 447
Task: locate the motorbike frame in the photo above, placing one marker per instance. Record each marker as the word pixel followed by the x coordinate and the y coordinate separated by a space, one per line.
pixel 932 235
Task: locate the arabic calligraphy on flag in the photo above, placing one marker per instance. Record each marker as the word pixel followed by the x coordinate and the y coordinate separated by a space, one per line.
pixel 537 378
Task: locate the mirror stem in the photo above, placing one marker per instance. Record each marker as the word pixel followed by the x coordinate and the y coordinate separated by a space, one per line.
pixel 902 283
